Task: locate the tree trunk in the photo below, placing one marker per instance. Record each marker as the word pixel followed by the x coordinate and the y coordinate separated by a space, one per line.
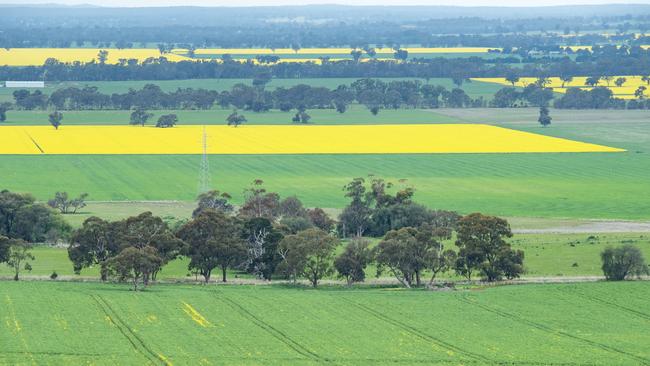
pixel 417 278
pixel 103 272
pixel 223 274
pixel 433 278
pixel 16 277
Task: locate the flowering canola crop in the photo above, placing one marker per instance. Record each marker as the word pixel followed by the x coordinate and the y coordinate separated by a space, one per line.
pixel 362 139
pixel 38 56
pixel 329 51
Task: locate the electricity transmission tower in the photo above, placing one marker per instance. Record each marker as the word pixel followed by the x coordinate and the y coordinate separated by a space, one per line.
pixel 204 169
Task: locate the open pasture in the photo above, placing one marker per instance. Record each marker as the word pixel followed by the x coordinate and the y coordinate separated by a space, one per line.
pixel 355 115
pixel 79 323
pixel 224 140
pixel 548 255
pixel 626 91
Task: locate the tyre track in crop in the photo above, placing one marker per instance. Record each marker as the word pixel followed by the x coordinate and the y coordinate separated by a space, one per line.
pixel 475 357
pixel 137 342
pixel 12 311
pixel 35 143
pixel 608 303
pixel 544 328
pixel 277 334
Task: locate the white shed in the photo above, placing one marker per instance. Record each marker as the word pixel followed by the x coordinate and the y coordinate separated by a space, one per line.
pixel 25 84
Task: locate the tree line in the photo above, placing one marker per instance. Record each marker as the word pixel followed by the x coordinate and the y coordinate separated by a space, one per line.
pixel 269 237
pixel 601 60
pixel 373 93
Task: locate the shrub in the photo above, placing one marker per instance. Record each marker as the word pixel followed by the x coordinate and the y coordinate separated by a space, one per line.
pixel 623 262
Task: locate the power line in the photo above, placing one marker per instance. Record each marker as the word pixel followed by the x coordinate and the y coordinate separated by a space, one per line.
pixel 204 169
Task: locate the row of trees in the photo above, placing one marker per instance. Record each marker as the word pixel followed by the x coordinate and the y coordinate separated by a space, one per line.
pixel 599 97
pixel 269 237
pixel 373 93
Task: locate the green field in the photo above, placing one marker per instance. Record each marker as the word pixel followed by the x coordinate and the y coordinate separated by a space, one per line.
pixel 84 323
pixel 547 255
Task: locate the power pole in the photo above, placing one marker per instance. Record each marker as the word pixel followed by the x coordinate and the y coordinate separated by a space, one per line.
pixel 204 170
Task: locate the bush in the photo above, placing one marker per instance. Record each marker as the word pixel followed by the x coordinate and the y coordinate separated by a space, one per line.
pixel 623 262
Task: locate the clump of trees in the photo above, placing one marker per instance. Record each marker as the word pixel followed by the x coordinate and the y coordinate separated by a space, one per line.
pixel 482 248
pixel 104 243
pixel 21 217
pixel 214 241
pixel 409 252
pixel 599 97
pixel 623 262
pixel 352 262
pixel 377 206
pixel 67 205
pixel 216 238
pixel 140 117
pixel 167 120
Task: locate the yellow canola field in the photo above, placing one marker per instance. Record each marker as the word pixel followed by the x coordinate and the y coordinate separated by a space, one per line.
pixel 37 56
pixel 362 139
pixel 624 92
pixel 328 51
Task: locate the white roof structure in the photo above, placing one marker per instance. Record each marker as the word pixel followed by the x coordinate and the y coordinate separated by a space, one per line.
pixel 25 84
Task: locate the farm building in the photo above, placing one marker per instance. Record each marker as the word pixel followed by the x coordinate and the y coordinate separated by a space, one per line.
pixel 25 84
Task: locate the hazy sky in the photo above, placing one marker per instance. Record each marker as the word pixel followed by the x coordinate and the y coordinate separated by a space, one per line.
pixel 304 2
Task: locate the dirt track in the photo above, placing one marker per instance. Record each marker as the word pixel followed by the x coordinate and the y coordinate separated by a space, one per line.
pixel 592 227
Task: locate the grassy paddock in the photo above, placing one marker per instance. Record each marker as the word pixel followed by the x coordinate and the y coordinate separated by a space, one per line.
pixel 547 255
pixel 356 114
pixel 581 185
pixel 78 323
